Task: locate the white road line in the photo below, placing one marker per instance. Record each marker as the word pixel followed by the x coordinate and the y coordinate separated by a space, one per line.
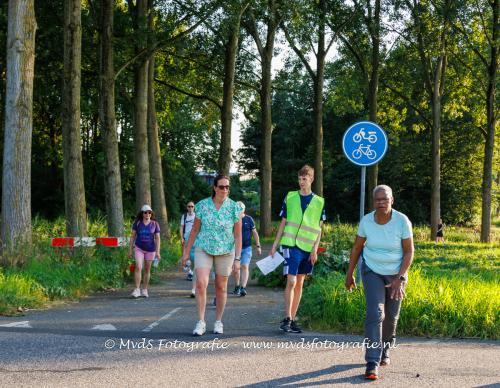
pixel 25 324
pixel 166 316
pixel 105 326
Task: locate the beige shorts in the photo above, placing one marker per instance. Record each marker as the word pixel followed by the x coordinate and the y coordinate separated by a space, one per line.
pixel 223 263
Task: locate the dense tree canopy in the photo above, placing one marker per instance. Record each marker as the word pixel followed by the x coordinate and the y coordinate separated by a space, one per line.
pixel 189 43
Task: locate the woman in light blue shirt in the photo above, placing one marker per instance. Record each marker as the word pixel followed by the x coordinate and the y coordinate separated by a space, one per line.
pixel 385 242
pixel 217 232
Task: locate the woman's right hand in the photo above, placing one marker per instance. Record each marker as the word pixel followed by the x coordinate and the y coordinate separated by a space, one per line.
pixel 350 282
pixel 184 260
pixel 130 254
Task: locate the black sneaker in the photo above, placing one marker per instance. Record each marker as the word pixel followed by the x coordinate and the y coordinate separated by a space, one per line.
pixel 237 290
pixel 371 372
pixel 243 291
pixel 189 277
pixel 294 327
pixel 285 325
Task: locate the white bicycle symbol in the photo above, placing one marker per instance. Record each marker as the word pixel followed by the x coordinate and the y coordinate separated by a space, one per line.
pixel 364 150
pixel 372 137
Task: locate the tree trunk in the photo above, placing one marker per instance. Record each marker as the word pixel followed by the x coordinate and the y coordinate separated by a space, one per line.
pixel 157 185
pixel 265 152
pixel 224 161
pixel 142 177
pixel 318 101
pixel 16 177
pixel 112 180
pixel 436 147
pixel 374 28
pixel 74 189
pixel 490 131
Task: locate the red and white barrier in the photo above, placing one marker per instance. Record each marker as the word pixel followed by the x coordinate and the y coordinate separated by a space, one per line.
pixel 71 242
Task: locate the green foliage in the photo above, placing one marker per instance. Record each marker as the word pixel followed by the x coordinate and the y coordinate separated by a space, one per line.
pixel 453 291
pixel 18 291
pixel 63 273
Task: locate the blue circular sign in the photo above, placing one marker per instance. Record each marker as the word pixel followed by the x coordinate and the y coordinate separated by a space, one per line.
pixel 364 143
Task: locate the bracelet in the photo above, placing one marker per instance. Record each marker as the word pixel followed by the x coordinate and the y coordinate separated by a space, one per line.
pixel 257 246
pixel 237 258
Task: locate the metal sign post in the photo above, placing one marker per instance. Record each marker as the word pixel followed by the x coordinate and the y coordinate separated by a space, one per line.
pixel 364 144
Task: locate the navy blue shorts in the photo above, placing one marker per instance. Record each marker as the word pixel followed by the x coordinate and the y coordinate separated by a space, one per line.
pixel 296 262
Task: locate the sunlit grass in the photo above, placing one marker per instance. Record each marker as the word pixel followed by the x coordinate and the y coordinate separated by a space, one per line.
pixel 453 290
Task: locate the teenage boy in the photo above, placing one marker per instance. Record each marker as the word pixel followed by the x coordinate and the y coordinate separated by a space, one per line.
pixel 248 230
pixel 302 216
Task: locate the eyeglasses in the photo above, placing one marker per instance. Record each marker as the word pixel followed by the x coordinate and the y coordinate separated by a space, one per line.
pixel 189 206
pixel 147 212
pixel 221 187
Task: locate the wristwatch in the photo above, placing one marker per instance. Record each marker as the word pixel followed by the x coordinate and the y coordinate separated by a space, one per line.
pixel 403 278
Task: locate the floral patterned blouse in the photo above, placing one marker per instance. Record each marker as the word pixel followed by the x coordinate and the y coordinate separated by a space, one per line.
pixel 216 233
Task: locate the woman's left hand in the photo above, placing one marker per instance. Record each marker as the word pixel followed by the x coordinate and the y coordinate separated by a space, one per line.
pixel 397 289
pixel 236 266
pixel 158 255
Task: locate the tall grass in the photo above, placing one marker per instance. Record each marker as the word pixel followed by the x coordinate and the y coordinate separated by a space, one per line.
pixel 63 273
pixel 453 289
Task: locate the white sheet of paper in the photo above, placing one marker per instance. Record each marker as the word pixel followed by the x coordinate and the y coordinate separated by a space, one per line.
pixel 270 263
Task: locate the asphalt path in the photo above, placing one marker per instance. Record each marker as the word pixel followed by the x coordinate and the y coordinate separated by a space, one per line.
pixel 110 339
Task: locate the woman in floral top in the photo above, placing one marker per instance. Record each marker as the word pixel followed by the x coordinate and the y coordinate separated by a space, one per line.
pixel 217 232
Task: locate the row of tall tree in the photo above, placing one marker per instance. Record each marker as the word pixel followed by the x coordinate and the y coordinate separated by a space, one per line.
pixel 147 94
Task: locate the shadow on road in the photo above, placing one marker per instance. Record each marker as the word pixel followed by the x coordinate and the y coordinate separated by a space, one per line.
pixel 298 380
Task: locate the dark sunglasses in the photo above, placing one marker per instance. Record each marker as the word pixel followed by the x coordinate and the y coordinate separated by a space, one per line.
pixel 222 187
pixel 147 212
pixel 190 206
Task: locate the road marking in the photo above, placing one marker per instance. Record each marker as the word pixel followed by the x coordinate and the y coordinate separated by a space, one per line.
pixel 105 326
pixel 166 316
pixel 25 324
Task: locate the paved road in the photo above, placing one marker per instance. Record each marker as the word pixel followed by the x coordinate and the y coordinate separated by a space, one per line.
pixel 148 341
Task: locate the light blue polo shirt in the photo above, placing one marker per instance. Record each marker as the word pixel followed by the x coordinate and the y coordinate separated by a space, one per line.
pixel 383 250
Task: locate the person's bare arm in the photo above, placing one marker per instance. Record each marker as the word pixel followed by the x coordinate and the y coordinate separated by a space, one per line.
pixel 350 281
pixel 192 238
pixel 279 233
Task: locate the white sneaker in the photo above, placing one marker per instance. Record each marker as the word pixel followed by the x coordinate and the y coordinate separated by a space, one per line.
pixel 193 293
pixel 218 327
pixel 144 293
pixel 200 328
pixel 136 293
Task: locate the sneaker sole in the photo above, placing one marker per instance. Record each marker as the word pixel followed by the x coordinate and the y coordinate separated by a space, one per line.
pixel 371 377
pixel 385 362
pixel 197 334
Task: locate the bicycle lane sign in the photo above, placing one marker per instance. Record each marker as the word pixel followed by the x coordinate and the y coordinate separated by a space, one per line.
pixel 364 143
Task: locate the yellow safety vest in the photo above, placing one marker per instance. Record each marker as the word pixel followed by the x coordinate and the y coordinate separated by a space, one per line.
pixel 302 228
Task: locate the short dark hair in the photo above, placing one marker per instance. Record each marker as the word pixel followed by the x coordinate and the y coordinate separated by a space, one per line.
pixel 306 170
pixel 216 181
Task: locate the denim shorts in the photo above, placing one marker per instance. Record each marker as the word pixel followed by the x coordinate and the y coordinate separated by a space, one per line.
pixel 246 255
pixel 296 262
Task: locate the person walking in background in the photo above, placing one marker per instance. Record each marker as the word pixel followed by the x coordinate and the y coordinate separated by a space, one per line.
pixel 385 242
pixel 217 232
pixel 440 232
pixel 248 230
pixel 145 242
pixel 302 216
pixel 187 221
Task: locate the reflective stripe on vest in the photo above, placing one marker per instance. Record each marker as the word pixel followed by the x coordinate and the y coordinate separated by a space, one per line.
pixel 302 228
